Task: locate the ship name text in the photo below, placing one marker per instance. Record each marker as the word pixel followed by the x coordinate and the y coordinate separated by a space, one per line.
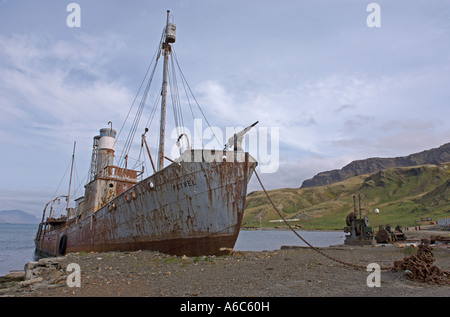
pixel 185 184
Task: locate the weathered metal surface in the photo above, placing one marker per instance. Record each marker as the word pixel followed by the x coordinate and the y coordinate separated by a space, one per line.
pixel 420 267
pixel 386 235
pixel 360 232
pixel 109 183
pixel 191 208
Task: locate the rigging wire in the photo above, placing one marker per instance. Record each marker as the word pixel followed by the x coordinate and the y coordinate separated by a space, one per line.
pixel 153 112
pixel 174 65
pixel 195 99
pixel 176 102
pixel 137 118
pixel 65 173
pixel 77 188
pixel 60 209
pixel 132 132
pixel 190 108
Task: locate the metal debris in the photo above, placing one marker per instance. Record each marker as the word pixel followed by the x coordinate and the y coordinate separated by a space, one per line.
pixel 420 267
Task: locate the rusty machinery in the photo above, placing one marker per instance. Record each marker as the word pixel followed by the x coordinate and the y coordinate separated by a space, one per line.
pixel 360 232
pixel 386 235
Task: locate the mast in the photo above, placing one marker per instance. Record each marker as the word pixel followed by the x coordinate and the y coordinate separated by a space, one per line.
pixel 71 172
pixel 169 38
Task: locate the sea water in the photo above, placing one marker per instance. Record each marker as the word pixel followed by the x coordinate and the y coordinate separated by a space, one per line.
pixel 261 240
pixel 17 242
pixel 16 246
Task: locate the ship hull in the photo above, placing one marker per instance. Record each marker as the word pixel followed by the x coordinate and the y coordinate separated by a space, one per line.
pixel 188 208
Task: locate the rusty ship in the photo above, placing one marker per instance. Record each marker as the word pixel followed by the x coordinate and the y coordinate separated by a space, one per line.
pixel 193 206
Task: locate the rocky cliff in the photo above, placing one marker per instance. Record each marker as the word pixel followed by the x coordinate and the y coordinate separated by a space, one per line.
pixel 371 165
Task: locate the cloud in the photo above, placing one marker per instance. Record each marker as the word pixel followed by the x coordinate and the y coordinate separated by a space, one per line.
pixel 59 86
pixel 53 92
pixel 345 108
pixel 308 113
pixel 24 199
pixel 337 90
pixel 327 122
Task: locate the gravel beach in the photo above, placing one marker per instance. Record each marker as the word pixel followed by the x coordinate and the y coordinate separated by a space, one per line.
pixel 301 272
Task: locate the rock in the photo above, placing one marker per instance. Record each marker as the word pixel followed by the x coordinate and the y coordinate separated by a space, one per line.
pixel 29 270
pixel 39 285
pixel 50 261
pixel 16 275
pixel 6 292
pixel 30 282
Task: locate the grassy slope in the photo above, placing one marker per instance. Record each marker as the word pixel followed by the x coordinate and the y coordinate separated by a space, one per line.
pixel 403 196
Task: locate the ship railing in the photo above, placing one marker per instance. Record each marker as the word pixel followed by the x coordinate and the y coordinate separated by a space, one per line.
pixel 43 226
pixel 119 173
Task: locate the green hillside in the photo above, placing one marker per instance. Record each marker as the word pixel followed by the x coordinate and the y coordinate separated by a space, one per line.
pixel 403 195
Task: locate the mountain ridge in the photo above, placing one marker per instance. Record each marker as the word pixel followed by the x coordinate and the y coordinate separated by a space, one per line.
pixel 404 195
pixel 433 156
pixel 17 216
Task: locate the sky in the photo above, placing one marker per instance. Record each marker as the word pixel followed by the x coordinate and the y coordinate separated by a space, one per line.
pixel 313 73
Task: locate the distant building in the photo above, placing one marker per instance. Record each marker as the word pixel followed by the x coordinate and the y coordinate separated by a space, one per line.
pixel 444 222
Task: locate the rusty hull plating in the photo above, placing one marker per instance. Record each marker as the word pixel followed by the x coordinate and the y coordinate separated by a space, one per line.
pixel 188 208
pixel 194 206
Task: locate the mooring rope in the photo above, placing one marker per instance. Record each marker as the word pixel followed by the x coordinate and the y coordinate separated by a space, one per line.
pixel 309 244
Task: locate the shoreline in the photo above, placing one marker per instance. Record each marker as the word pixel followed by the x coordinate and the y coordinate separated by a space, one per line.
pixel 280 273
